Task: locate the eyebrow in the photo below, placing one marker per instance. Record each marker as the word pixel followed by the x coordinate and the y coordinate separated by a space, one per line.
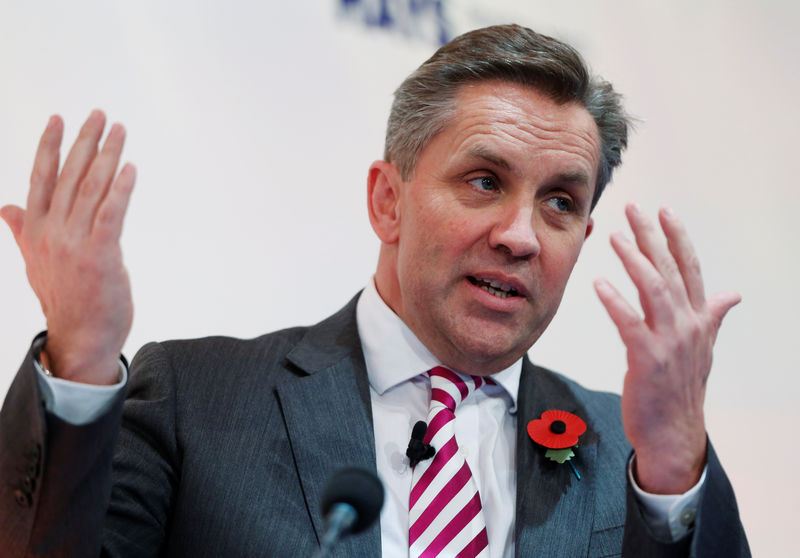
pixel 576 177
pixel 482 152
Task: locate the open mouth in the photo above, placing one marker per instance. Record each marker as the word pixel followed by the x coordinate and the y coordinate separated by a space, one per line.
pixel 493 287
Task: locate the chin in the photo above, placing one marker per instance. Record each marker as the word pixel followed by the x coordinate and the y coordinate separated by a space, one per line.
pixel 488 354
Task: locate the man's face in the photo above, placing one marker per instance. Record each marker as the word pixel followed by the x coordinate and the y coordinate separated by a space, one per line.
pixel 491 224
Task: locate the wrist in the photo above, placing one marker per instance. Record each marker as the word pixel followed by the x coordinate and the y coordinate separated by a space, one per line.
pixel 668 472
pixel 98 369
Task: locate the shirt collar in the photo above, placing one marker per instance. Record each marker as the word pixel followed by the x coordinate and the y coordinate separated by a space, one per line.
pixel 393 353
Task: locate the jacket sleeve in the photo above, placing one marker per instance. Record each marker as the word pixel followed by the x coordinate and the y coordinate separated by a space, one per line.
pixel 55 477
pixel 717 529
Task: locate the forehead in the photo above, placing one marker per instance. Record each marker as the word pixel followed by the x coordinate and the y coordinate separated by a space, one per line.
pixel 522 126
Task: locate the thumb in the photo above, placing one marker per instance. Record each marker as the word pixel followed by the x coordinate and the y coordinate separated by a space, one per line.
pixel 720 303
pixel 14 217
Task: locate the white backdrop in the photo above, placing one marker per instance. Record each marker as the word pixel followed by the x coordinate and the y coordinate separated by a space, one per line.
pixel 252 125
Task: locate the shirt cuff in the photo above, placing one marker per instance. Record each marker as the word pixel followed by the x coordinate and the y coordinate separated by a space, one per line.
pixel 75 402
pixel 670 516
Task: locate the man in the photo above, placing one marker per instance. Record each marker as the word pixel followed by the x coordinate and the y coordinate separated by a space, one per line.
pixel 497 150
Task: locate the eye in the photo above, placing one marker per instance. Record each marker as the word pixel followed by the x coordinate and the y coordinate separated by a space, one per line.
pixel 484 183
pixel 560 203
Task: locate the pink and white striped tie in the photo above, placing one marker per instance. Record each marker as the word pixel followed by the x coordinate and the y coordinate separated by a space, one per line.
pixel 445 514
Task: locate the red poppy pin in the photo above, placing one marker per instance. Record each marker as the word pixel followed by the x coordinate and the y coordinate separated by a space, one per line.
pixel 558 431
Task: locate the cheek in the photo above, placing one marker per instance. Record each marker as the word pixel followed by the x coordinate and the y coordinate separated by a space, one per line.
pixel 559 258
pixel 458 230
pixel 440 234
pixel 421 247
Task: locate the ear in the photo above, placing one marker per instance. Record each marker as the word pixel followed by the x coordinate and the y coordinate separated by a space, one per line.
pixel 383 200
pixel 589 228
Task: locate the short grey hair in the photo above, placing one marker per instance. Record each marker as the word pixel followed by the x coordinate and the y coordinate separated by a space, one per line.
pixel 426 100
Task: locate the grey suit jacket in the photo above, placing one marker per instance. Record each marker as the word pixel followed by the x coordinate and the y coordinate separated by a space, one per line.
pixel 226 446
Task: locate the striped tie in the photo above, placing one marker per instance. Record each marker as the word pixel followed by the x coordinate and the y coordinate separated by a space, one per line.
pixel 445 514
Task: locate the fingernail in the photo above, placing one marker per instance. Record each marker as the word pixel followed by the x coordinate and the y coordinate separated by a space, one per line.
pixel 668 211
pixel 636 208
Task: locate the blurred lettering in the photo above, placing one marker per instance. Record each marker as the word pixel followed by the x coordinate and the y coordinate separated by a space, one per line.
pixel 416 18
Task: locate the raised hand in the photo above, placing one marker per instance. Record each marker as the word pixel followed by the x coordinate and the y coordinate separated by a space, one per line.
pixel 69 237
pixel 669 351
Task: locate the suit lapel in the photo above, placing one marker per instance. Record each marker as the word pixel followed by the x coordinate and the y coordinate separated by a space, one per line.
pixel 328 416
pixel 555 511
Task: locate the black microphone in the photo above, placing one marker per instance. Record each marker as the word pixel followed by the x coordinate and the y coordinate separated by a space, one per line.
pixel 417 449
pixel 350 503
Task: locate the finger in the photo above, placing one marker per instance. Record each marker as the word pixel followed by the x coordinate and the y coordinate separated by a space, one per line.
pixel 80 157
pixel 720 303
pixel 686 258
pixel 628 321
pixel 107 225
pixel 14 217
pixel 45 167
pixel 649 240
pixel 654 294
pixel 95 184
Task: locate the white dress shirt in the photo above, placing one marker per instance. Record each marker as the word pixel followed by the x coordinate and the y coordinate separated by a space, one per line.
pixel 485 426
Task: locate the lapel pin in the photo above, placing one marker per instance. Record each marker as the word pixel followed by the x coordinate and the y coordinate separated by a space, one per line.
pixel 558 431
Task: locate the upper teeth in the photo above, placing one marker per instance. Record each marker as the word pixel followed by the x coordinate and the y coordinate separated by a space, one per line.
pixel 496 288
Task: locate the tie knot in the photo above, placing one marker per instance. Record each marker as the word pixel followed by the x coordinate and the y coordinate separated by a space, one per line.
pixel 449 388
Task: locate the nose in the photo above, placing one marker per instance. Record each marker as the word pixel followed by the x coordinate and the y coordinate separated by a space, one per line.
pixel 515 233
